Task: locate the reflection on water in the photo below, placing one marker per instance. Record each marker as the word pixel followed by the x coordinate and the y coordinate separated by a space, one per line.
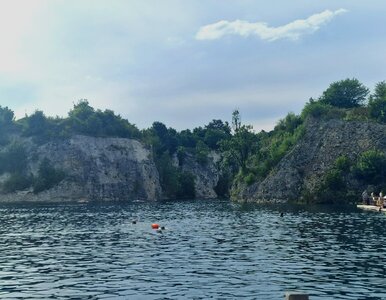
pixel 210 249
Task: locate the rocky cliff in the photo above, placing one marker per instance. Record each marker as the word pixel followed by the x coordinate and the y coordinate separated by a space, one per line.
pixel 315 153
pixel 98 169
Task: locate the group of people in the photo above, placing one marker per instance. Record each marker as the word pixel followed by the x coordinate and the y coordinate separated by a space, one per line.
pixel 374 200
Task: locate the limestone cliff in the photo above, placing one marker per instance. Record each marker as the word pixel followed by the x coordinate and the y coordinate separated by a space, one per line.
pixel 206 175
pixel 95 168
pixel 304 166
pixel 98 169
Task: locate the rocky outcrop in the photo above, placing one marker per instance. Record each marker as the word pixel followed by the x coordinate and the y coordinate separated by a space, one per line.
pixel 206 175
pixel 96 169
pixel 304 166
pixel 99 169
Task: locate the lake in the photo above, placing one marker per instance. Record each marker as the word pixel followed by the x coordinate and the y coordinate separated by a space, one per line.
pixel 209 250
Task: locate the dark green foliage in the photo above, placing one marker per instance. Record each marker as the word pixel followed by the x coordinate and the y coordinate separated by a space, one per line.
pixel 181 155
pixel 342 163
pixel 202 152
pixel 377 103
pixel 161 138
pixel 275 145
pixel 315 109
pixel 47 177
pixel 333 189
pixel 84 119
pixel 345 93
pixel 240 147
pixel 13 159
pixel 215 132
pixel 174 182
pixel 289 123
pixel 185 188
pixel 250 178
pixel 37 124
pixel 187 139
pixel 371 167
pixel 6 123
pixel 168 174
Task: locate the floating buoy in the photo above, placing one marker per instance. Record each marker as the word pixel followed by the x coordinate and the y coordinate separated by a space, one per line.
pixel 155 226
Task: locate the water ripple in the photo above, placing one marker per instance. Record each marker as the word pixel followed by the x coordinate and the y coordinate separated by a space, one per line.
pixel 210 249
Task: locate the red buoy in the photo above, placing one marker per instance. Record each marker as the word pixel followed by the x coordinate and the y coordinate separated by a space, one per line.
pixel 155 226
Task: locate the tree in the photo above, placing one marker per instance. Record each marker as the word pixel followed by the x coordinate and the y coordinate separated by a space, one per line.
pixel 216 131
pixel 371 167
pixel 236 120
pixel 377 102
pixel 6 117
pixel 346 93
pixel 241 145
pixel 6 121
pixel 36 124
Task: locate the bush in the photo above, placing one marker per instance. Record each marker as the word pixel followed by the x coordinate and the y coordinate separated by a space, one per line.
pixel 202 152
pixel 371 166
pixel 250 179
pixel 343 163
pixel 315 109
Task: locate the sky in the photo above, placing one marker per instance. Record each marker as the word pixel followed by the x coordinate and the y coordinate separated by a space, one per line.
pixel 185 62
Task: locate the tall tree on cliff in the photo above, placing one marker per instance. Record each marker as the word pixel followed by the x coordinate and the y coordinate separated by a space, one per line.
pixel 345 93
pixel 241 145
pixel 377 102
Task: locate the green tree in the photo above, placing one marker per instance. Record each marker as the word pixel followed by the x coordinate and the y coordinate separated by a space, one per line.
pixel 37 124
pixel 345 93
pixel 241 145
pixel 6 122
pixel 377 102
pixel 215 132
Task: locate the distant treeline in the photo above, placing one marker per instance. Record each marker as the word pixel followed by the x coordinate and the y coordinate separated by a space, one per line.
pixel 247 156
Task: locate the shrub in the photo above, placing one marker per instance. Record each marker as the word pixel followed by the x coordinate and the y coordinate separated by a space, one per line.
pixel 371 166
pixel 343 163
pixel 315 109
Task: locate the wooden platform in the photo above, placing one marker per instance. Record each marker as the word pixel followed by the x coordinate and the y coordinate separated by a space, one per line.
pixel 371 207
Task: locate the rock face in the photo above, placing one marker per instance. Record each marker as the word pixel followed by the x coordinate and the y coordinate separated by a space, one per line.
pixel 304 166
pixel 96 169
pixel 99 169
pixel 206 175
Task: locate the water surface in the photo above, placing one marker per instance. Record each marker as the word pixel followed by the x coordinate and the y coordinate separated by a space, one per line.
pixel 209 250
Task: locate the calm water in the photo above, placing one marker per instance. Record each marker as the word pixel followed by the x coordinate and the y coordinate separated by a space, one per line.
pixel 210 249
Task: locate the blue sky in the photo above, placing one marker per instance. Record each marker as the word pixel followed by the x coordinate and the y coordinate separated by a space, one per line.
pixel 185 62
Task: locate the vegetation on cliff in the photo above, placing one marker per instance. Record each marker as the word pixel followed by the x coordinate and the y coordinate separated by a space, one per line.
pixel 247 157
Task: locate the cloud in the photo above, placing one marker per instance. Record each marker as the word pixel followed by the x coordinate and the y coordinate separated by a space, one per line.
pixel 291 31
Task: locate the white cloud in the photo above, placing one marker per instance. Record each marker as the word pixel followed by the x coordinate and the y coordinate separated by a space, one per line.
pixel 291 31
